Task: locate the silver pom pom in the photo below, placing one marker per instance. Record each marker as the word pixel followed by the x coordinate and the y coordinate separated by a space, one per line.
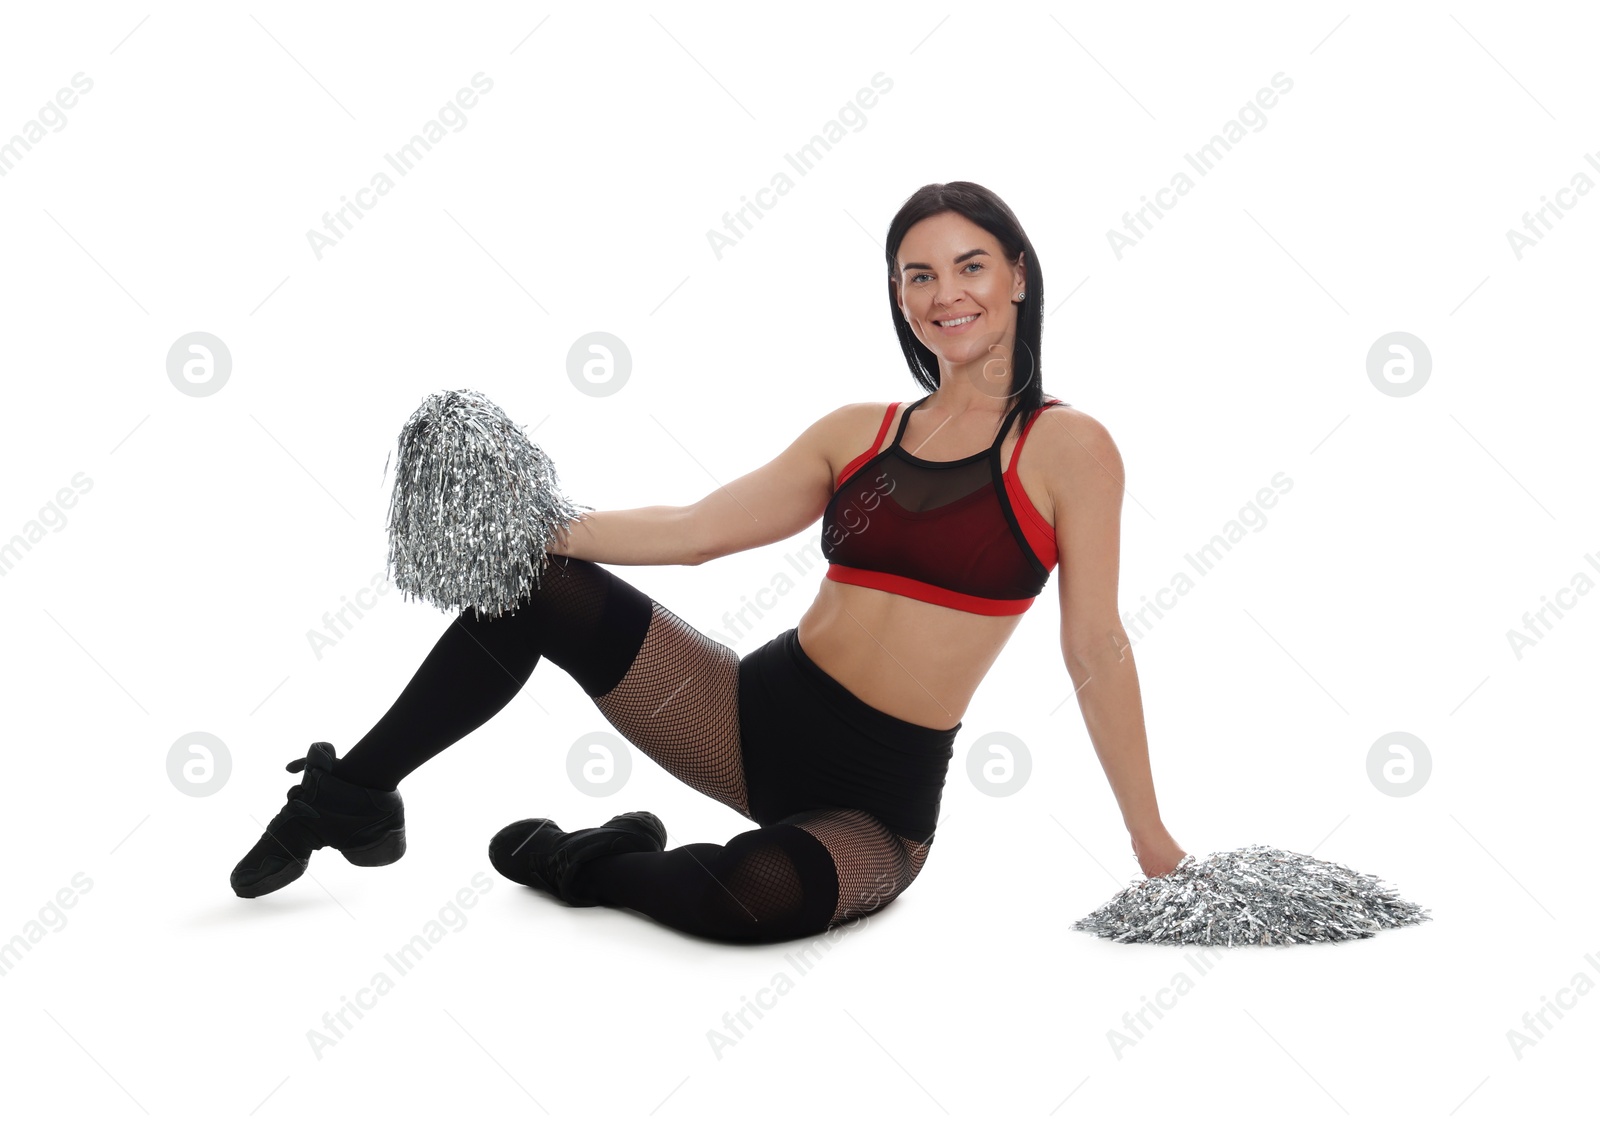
pixel 1256 895
pixel 475 502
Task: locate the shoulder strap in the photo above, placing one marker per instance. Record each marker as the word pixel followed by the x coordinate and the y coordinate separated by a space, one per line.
pixel 1005 427
pixel 883 428
pixel 872 450
pixel 905 418
pixel 1016 451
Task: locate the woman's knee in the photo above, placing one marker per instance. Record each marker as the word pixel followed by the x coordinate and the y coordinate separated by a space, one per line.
pixel 771 884
pixel 587 620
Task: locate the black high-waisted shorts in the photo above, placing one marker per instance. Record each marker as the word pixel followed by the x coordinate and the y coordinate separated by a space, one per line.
pixel 809 743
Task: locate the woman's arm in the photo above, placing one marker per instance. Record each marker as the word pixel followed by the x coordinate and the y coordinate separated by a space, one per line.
pixel 773 502
pixel 1086 486
pixel 642 536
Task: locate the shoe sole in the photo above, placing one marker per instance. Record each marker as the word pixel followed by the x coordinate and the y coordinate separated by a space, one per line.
pixel 385 850
pixel 269 884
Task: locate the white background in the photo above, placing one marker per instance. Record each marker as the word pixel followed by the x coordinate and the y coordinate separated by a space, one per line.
pixel 1228 346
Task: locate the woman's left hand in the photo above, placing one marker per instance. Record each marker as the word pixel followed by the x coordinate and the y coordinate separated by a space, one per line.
pixel 1158 853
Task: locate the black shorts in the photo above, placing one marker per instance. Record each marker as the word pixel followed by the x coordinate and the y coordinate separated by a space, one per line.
pixel 808 743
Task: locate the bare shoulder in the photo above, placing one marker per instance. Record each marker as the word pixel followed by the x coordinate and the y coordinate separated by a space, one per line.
pixel 1080 455
pixel 842 424
pixel 848 430
pixel 860 412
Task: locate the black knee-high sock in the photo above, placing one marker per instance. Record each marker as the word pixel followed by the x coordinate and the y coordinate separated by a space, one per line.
pixel 766 885
pixel 583 617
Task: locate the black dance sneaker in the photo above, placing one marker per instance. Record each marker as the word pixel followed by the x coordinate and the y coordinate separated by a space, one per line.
pixel 537 853
pixel 367 825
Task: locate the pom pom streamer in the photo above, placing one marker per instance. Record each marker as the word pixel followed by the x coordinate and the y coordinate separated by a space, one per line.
pixel 1251 896
pixel 475 502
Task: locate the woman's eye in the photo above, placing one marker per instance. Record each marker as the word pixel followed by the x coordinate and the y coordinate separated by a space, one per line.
pixel 923 275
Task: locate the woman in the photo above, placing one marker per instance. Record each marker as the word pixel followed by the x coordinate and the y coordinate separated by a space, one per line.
pixel 834 737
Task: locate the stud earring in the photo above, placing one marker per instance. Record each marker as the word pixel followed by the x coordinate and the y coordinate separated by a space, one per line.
pixel 1020 294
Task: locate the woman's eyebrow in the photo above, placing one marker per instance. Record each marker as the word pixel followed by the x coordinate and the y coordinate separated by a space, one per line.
pixel 963 257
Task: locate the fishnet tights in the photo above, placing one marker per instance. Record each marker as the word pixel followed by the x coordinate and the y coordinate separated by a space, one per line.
pixel 874 864
pixel 679 704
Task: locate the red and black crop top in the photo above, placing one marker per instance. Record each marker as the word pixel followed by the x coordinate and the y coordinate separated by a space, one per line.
pixel 959 533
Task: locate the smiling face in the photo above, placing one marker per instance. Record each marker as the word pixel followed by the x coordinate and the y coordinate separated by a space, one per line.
pixel 958 293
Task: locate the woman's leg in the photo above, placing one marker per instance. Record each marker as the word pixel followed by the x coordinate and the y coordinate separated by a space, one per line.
pixel 679 703
pixel 785 881
pixel 670 690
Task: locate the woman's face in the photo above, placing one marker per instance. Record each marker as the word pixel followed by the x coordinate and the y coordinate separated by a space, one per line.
pixel 949 268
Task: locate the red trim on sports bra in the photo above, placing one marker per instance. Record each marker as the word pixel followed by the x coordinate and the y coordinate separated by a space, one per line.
pixel 1040 534
pixel 922 591
pixel 883 430
pixel 1026 428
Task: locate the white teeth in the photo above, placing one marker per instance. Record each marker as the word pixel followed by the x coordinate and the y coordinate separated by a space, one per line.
pixel 959 321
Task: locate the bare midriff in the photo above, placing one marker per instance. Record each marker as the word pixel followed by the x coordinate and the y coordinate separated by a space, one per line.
pixel 915 661
pixel 911 659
